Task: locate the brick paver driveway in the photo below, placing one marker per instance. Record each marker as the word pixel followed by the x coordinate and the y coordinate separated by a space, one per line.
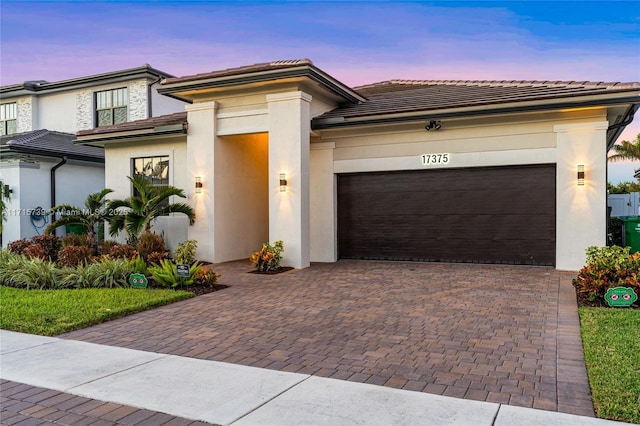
pixel 496 333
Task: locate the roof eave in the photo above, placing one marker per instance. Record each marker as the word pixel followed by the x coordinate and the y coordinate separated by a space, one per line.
pixel 473 111
pixel 129 135
pixel 49 154
pixel 144 71
pixel 315 74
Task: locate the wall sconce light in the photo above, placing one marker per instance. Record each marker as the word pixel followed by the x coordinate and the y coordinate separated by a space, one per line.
pixel 7 189
pixel 433 125
pixel 198 184
pixel 580 174
pixel 283 182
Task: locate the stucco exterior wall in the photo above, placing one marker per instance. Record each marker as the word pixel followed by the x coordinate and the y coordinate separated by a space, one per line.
pixel 162 105
pixel 520 139
pixel 118 166
pixel 31 183
pixel 241 192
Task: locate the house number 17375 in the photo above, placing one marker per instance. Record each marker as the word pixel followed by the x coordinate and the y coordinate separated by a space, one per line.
pixel 434 159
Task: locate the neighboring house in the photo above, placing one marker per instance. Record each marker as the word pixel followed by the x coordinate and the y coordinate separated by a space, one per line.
pixel 38 121
pixel 461 171
pixel 45 168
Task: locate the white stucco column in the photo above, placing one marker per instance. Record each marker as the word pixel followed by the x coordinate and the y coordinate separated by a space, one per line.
pixel 324 241
pixel 289 128
pixel 200 155
pixel 581 216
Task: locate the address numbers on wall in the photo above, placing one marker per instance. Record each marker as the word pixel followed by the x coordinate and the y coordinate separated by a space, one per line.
pixel 435 159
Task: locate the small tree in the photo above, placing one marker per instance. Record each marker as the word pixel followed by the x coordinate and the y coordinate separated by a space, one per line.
pixel 140 210
pixel 93 213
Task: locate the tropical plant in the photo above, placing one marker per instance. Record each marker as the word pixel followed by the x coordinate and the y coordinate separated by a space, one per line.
pixel 269 257
pixel 18 246
pixel 139 265
pixel 94 212
pixel 123 251
pixel 627 151
pixel 109 273
pixel 607 267
pixel 166 274
pixel 185 253
pixel 140 210
pixel 206 277
pixel 155 257
pixel 149 242
pixel 5 195
pixel 73 255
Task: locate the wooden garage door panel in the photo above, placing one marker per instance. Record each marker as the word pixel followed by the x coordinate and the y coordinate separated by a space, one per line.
pixel 493 215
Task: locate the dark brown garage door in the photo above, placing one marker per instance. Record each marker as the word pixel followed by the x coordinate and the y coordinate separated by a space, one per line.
pixel 479 215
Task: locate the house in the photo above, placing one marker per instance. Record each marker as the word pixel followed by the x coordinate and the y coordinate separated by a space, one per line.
pixel 38 121
pixel 461 171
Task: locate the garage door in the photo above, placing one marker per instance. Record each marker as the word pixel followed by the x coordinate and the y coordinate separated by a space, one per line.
pixel 478 215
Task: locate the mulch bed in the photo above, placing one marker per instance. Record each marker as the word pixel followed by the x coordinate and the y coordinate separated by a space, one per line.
pixel 277 271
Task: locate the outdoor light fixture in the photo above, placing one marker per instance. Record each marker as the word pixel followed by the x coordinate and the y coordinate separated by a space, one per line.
pixel 198 184
pixel 8 189
pixel 580 174
pixel 283 182
pixel 433 125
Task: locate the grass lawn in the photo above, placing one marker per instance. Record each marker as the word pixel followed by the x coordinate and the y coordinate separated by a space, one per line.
pixel 611 339
pixel 51 312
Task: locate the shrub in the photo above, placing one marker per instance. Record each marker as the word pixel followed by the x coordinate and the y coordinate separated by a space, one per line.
pixel 206 277
pixel 10 264
pixel 166 274
pixel 18 246
pixel 186 252
pixel 123 251
pixel 74 240
pixel 35 251
pixel 157 256
pixel 74 255
pixel 268 258
pixel 607 267
pixel 148 243
pixel 108 273
pixel 105 247
pixel 50 244
pixel 139 265
pixel 36 273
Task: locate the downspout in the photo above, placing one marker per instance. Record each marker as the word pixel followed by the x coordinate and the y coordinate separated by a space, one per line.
pixel 53 180
pixel 149 94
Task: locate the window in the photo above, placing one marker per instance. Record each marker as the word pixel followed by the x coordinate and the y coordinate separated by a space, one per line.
pixel 111 107
pixel 155 169
pixel 8 119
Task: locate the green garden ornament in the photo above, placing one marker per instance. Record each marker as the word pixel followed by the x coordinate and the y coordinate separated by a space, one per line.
pixel 138 281
pixel 620 296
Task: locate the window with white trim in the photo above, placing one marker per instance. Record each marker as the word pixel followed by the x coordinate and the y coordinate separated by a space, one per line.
pixel 154 169
pixel 8 118
pixel 112 107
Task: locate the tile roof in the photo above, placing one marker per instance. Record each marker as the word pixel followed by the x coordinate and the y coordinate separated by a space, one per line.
pixel 398 96
pixel 265 66
pixel 50 144
pixel 103 78
pixel 148 123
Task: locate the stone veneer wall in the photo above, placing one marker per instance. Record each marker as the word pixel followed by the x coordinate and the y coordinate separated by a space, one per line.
pixel 137 110
pixel 25 114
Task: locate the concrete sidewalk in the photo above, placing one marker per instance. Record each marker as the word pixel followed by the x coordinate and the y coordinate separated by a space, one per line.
pixel 229 394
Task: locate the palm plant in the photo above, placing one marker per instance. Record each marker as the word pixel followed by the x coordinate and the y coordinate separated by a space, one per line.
pixel 140 210
pixel 93 213
pixel 627 150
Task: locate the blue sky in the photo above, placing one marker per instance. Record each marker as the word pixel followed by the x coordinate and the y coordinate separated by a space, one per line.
pixel 356 42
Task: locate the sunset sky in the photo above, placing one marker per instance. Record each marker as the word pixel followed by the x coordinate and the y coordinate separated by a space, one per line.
pixel 356 42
